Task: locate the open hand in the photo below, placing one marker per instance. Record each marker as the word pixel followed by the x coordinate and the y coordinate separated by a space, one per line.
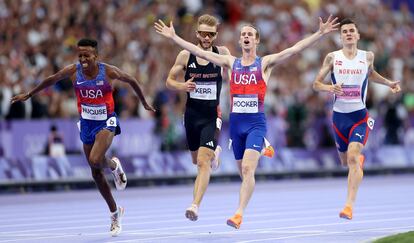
pixel 164 30
pixel 329 25
pixel 20 97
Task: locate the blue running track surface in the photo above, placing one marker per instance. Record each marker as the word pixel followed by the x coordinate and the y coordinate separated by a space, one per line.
pixel 279 211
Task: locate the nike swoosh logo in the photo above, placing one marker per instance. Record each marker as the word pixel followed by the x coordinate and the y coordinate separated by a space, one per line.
pixel 256 146
pixel 77 82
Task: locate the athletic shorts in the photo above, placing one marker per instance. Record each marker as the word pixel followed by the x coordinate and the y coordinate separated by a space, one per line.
pixel 89 128
pixel 247 131
pixel 351 127
pixel 201 130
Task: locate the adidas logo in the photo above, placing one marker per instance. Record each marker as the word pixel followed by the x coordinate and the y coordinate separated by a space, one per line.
pixel 192 65
pixel 211 144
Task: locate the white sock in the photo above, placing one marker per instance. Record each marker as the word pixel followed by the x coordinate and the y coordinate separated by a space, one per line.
pixel 114 213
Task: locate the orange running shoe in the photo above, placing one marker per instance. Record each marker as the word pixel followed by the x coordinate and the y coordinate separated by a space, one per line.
pixel 235 221
pixel 346 213
pixel 268 151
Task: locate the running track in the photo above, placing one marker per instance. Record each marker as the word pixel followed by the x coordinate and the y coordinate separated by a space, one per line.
pixel 280 211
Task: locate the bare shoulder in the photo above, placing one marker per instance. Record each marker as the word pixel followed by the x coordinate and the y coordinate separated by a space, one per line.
pixel 223 50
pixel 112 71
pixel 370 55
pixel 329 58
pixel 183 55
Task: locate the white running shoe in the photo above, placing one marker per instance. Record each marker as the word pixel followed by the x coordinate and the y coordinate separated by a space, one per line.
pixel 120 178
pixel 215 163
pixel 191 212
pixel 116 224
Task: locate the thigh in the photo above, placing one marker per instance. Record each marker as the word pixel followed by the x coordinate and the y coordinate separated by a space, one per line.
pixel 191 132
pixel 103 141
pixel 255 139
pixel 359 133
pixel 208 136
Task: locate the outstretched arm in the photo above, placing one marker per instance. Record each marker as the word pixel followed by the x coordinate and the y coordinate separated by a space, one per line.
pixel 324 28
pixel 179 67
pixel 115 73
pixel 169 32
pixel 319 85
pixel 49 81
pixel 377 78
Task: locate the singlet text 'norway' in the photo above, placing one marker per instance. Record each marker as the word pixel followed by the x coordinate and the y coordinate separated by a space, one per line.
pixel 349 71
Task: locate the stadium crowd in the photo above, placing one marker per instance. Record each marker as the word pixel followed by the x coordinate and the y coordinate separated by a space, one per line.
pixel 37 38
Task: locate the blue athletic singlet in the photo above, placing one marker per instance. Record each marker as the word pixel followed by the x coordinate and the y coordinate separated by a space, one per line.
pixel 95 105
pixel 247 118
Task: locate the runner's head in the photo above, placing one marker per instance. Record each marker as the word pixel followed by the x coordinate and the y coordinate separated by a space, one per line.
pixel 249 36
pixel 87 52
pixel 206 30
pixel 348 32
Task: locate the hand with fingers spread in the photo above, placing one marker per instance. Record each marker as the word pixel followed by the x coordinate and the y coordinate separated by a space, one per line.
pixel 394 86
pixel 337 89
pixel 20 97
pixel 189 85
pixel 329 26
pixel 164 30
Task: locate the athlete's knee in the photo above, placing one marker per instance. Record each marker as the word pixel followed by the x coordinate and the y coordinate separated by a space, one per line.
pixel 203 161
pixel 352 158
pixel 247 171
pixel 96 161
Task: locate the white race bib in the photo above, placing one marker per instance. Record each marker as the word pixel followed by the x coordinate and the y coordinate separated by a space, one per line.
pixel 204 91
pixel 245 104
pixel 97 113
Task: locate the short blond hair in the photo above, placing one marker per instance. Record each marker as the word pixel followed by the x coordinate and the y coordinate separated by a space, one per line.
pixel 208 20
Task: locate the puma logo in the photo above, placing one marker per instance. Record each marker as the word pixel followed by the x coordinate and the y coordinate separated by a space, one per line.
pixel 359 135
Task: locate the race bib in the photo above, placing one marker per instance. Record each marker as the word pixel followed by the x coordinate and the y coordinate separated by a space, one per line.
pixel 245 104
pixel 96 113
pixel 204 91
pixel 352 93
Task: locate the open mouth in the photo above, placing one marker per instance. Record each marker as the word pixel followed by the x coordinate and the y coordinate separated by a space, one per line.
pixel 246 42
pixel 84 65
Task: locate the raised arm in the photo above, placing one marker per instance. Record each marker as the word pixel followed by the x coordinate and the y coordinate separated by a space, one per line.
pixel 324 28
pixel 169 32
pixel 319 85
pixel 179 67
pixel 49 81
pixel 377 78
pixel 116 73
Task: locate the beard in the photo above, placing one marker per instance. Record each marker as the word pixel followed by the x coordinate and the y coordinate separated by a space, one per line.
pixel 203 45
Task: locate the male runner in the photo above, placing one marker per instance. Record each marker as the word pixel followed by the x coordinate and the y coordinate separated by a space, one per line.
pixel 98 123
pixel 350 69
pixel 249 77
pixel 202 118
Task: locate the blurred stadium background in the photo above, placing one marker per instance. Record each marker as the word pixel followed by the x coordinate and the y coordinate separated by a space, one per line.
pixel 37 38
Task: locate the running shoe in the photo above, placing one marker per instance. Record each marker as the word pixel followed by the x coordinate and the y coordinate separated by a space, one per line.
pixel 215 163
pixel 116 225
pixel 346 213
pixel 235 221
pixel 119 175
pixel 191 212
pixel 268 151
